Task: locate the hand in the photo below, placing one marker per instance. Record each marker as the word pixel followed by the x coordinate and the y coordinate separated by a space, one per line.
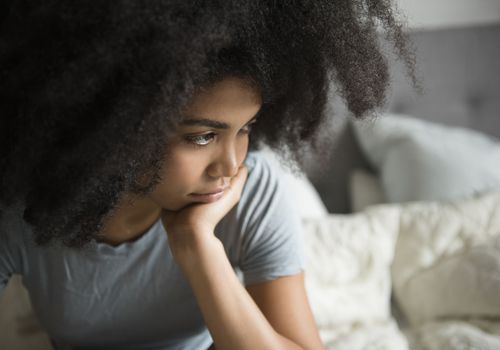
pixel 194 222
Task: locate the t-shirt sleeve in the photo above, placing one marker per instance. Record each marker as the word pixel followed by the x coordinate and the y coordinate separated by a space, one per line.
pixel 272 241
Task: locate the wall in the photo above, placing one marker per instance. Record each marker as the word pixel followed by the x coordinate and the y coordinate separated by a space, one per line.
pixel 432 14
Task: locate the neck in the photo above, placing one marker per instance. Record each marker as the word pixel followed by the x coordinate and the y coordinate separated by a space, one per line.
pixel 133 217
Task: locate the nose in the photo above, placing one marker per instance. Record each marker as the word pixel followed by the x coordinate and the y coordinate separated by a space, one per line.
pixel 225 164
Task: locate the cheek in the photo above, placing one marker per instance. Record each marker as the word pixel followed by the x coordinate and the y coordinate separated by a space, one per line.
pixel 172 193
pixel 182 173
pixel 243 150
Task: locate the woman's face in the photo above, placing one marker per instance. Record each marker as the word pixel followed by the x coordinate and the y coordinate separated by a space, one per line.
pixel 210 145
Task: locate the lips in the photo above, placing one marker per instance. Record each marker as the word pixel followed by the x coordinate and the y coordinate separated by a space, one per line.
pixel 218 190
pixel 207 198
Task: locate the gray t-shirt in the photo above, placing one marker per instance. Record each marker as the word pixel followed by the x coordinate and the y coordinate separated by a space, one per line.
pixel 134 296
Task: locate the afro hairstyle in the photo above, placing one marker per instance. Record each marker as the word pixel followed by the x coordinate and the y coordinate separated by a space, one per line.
pixel 91 91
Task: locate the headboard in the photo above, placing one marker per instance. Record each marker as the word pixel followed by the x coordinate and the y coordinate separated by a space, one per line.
pixel 459 70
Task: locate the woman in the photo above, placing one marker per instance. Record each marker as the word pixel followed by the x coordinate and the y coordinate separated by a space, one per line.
pixel 133 202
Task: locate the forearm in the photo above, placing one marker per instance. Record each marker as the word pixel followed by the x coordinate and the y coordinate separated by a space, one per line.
pixel 231 315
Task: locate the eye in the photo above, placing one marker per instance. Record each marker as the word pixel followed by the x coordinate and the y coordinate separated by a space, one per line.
pixel 205 139
pixel 201 140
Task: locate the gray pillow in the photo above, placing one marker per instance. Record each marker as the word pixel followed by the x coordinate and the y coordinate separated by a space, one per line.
pixel 421 160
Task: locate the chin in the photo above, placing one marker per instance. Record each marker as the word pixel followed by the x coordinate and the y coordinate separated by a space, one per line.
pixel 178 206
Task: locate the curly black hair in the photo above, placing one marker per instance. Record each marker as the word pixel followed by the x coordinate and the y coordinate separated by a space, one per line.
pixel 90 91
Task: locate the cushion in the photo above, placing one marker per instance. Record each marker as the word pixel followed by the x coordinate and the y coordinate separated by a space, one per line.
pixel 447 259
pixel 347 275
pixel 364 190
pixel 419 160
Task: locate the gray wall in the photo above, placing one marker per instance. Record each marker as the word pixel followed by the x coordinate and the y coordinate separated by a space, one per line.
pixel 433 14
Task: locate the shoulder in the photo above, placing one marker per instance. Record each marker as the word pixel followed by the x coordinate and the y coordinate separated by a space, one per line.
pixel 266 195
pixel 268 225
pixel 266 206
pixel 259 163
pixel 263 171
pixel 264 181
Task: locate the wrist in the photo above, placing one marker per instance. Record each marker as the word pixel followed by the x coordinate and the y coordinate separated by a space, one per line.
pixel 189 248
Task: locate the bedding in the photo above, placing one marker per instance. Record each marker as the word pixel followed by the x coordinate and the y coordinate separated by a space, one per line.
pixel 447 259
pixel 455 335
pixel 383 335
pixel 347 277
pixel 445 275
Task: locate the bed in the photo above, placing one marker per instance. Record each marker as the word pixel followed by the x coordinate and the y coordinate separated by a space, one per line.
pixel 407 256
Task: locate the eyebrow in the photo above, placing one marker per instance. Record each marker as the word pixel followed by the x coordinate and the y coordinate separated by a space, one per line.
pixel 209 122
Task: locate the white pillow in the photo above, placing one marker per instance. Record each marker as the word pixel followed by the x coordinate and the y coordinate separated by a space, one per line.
pixel 419 160
pixel 453 335
pixel 364 190
pixel 305 195
pixel 446 264
pixel 447 259
pixel 347 276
